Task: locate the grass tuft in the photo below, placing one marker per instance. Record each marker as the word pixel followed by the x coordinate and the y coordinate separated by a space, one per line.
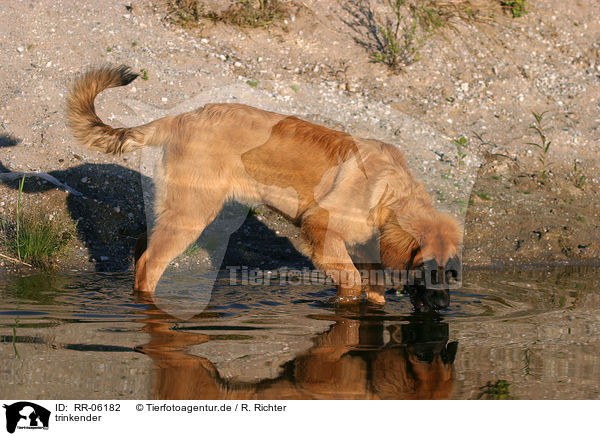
pixel 33 238
pixel 37 241
pixel 543 144
pixel 185 13
pixel 461 147
pixel 578 176
pixel 517 8
pixel 398 34
pixel 398 29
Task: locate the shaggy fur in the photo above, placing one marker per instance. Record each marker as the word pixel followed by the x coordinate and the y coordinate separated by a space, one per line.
pixel 341 190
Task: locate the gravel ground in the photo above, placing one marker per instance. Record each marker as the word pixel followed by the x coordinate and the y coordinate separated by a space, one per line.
pixel 477 80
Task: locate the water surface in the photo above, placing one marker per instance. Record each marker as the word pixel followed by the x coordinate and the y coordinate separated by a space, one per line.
pixel 528 334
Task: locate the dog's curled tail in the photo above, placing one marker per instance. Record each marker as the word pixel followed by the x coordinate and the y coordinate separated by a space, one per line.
pixel 85 124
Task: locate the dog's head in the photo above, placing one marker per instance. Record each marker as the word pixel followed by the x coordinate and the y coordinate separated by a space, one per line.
pixel 426 246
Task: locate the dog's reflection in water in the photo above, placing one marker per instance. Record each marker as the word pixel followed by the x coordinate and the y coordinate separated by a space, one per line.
pixel 354 359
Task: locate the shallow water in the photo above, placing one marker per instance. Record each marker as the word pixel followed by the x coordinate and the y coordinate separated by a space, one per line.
pixel 529 334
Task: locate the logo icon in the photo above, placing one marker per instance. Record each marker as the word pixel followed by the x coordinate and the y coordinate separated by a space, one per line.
pixel 26 415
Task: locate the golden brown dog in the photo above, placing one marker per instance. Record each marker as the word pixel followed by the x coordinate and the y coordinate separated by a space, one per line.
pixel 341 190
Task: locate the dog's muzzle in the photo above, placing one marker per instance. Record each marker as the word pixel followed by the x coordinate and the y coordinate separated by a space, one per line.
pixel 433 290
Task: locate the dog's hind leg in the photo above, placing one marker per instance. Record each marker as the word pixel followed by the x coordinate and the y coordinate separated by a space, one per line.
pixel 328 252
pixel 176 229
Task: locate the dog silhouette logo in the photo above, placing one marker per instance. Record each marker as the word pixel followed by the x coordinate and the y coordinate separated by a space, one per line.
pixel 26 415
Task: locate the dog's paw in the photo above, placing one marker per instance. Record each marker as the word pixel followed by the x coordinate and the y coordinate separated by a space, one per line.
pixel 375 298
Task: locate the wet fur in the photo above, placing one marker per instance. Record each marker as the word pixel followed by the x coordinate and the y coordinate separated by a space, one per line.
pixel 341 190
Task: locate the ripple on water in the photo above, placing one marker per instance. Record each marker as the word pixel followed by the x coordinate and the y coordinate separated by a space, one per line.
pixel 520 327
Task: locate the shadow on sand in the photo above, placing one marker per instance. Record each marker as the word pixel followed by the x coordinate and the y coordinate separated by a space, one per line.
pixel 110 217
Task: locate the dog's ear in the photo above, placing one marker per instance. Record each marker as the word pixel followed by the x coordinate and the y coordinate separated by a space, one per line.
pixel 398 248
pixel 437 233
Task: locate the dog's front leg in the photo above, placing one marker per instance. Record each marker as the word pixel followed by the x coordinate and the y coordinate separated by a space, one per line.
pixel 328 252
pixel 345 275
pixel 373 282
